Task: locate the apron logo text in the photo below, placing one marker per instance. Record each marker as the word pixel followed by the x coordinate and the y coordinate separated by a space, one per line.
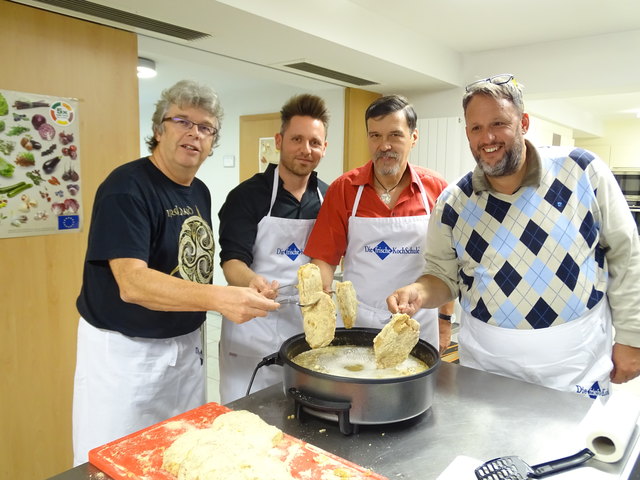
pixel 593 391
pixel 292 251
pixel 382 250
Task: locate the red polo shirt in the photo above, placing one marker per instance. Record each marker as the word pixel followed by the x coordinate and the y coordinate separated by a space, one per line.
pixel 328 240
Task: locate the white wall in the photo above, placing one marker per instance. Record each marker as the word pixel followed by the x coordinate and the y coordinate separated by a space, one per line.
pixel 619 146
pixel 442 144
pixel 220 179
pixel 549 73
pixel 542 132
pixel 447 103
pixel 598 65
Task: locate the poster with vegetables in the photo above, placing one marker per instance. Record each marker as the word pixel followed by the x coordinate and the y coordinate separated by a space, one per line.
pixel 39 165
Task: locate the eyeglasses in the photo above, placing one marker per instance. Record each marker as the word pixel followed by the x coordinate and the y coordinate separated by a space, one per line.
pixel 496 80
pixel 206 130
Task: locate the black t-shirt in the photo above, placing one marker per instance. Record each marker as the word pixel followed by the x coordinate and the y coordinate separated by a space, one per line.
pixel 249 202
pixel 139 213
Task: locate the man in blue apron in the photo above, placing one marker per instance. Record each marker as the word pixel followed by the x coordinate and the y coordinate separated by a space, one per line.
pixel 264 225
pixel 541 248
pixel 147 280
pixel 376 217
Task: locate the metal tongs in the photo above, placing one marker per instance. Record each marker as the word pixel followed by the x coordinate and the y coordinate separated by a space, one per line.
pixel 292 301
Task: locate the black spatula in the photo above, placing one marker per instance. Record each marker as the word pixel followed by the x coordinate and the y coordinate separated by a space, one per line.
pixel 514 468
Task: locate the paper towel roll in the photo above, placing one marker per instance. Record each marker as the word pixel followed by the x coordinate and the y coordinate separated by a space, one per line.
pixel 609 425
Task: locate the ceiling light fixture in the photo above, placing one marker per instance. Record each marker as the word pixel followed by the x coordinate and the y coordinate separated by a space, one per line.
pixel 146 68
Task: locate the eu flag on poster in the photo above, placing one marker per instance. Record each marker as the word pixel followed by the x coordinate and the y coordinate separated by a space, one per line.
pixel 68 222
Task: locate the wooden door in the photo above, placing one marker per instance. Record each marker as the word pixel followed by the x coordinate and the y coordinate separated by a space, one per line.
pixel 356 102
pixel 252 129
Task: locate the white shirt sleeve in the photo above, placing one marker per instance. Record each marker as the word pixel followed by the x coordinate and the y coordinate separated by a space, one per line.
pixel 619 237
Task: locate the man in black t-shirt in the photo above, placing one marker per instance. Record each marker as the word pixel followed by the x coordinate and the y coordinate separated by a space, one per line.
pixel 147 280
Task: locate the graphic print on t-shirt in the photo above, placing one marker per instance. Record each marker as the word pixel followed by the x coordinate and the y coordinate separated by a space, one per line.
pixel 195 250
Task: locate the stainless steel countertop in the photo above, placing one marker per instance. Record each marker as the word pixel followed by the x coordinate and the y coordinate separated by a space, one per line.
pixel 474 413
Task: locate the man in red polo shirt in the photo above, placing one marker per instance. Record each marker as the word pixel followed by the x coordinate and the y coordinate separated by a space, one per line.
pixel 376 217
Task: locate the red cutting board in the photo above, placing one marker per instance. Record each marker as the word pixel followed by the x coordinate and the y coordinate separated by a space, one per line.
pixel 139 456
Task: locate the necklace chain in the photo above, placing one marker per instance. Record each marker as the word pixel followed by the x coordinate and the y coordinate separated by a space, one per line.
pixel 386 196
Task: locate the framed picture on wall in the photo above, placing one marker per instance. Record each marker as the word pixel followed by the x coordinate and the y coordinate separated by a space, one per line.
pixel 267 152
pixel 39 165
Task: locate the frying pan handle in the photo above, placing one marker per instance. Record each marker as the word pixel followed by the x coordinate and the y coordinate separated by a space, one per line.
pixel 555 466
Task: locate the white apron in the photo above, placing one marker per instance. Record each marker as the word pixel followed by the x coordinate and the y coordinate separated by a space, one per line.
pixel 277 255
pixel 124 384
pixel 384 254
pixel 570 357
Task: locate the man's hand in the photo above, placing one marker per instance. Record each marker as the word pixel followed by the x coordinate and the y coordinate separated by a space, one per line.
pixel 241 304
pixel 238 274
pixel 405 300
pixel 264 287
pixel 626 363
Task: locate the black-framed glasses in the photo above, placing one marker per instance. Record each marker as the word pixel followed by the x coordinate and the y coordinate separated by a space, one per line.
pixel 500 79
pixel 204 129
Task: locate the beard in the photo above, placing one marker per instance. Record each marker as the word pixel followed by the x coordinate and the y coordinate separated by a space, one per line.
pixel 385 168
pixel 508 165
pixel 297 169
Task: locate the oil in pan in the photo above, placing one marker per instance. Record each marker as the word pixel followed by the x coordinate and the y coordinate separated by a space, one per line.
pixel 355 362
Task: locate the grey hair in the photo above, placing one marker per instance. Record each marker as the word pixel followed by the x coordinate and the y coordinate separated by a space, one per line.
pixel 185 93
pixel 511 91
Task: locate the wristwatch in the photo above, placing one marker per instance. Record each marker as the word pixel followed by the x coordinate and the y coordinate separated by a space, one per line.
pixel 449 318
